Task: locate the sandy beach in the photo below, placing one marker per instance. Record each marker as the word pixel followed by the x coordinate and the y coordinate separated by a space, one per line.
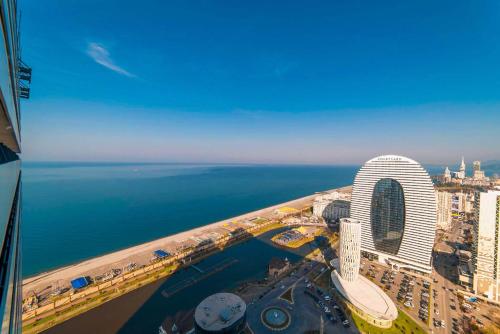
pixel 141 254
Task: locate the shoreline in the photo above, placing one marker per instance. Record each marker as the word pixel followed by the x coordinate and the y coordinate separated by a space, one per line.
pixel 141 254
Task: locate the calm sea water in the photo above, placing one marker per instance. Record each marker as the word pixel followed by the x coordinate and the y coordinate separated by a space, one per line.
pixel 74 211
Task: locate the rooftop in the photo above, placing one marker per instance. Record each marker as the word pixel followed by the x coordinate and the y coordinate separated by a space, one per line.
pixel 366 296
pixel 219 311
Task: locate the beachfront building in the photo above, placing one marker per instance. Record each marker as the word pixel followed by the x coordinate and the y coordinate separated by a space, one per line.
pixel 361 295
pixel 220 313
pixel 394 200
pixel 332 206
pixel 14 77
pixel 486 245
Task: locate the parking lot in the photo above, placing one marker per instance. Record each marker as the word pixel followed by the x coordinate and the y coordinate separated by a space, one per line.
pixel 412 294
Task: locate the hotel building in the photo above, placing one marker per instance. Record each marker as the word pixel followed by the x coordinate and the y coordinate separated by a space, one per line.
pixel 360 294
pixel 486 245
pixel 14 80
pixel 395 201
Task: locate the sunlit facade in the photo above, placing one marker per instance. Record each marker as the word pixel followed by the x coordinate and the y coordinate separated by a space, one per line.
pixel 394 199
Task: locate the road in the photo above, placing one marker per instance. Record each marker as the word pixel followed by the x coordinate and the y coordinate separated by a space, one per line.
pixel 444 276
pixel 305 313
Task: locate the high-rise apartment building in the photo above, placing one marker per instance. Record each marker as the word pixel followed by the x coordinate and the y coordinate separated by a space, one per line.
pixel 361 295
pixel 14 80
pixel 394 199
pixel 443 209
pixel 486 246
pixel 349 249
pixel 477 173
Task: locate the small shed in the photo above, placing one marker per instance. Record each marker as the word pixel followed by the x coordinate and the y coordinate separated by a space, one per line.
pixel 79 283
pixel 160 254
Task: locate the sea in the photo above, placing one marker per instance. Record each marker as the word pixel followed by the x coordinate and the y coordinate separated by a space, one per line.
pixel 76 211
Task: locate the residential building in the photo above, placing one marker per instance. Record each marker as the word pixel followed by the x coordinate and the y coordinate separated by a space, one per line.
pixel 394 199
pixel 447 175
pixel 350 249
pixel 478 174
pixel 443 210
pixel 14 80
pixel 486 245
pixel 360 294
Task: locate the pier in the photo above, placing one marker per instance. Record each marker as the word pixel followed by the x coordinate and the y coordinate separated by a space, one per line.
pixel 220 266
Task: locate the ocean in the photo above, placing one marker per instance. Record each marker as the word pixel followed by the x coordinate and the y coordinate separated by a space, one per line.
pixel 75 211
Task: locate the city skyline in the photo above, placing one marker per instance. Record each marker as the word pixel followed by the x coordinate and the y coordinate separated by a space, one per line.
pixel 260 83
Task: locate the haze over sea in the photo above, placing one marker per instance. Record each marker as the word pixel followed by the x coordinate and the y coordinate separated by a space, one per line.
pixel 76 211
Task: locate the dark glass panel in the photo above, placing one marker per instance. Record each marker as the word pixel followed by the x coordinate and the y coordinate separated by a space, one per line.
pixel 387 215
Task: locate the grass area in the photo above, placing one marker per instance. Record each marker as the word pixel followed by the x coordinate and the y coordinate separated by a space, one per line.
pixel 287 295
pixel 323 280
pixel 403 324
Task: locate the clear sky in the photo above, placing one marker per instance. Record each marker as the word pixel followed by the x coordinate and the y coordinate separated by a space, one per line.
pixel 261 81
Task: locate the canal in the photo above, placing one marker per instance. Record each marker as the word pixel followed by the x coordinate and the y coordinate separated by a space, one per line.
pixel 144 310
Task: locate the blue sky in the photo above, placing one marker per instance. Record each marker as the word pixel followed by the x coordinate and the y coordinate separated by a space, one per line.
pixel 282 82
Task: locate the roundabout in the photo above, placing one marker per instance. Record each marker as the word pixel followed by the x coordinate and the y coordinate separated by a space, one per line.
pixel 275 318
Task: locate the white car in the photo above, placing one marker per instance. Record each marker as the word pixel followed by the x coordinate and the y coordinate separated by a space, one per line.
pixel 409 304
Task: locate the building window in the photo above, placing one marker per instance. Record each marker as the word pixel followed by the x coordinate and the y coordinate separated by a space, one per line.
pixel 387 215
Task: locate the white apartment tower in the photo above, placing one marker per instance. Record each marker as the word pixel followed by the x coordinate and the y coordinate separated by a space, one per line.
pixel 350 249
pixel 486 248
pixel 443 209
pixel 394 199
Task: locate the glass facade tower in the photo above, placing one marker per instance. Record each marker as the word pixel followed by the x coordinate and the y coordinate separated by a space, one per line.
pixel 14 82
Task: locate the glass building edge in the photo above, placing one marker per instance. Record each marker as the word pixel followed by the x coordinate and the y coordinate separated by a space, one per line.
pixel 10 272
pixel 9 80
pixel 12 88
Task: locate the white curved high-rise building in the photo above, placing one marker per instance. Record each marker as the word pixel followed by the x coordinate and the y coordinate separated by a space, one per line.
pixel 350 249
pixel 394 199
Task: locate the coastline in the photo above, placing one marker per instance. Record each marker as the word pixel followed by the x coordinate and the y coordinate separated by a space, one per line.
pixel 141 254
